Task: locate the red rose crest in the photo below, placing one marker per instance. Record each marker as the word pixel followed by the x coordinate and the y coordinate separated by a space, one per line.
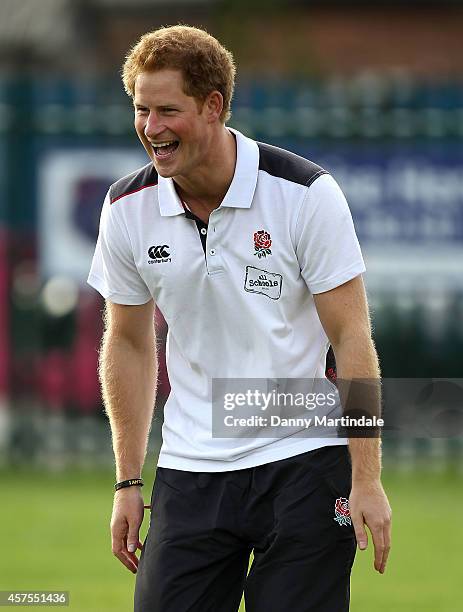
pixel 341 509
pixel 331 375
pixel 262 243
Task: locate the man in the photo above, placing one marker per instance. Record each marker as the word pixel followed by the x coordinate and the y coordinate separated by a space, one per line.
pixel 250 253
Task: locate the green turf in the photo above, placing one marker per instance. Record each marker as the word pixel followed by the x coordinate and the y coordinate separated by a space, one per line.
pixel 55 535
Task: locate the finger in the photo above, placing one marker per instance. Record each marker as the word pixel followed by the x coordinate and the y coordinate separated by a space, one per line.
pixel 118 536
pixel 387 544
pixel 359 528
pixel 119 551
pixel 127 562
pixel 119 545
pixel 132 559
pixel 378 542
pixel 132 539
pixel 131 556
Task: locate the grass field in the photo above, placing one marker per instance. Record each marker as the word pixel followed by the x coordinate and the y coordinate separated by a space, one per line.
pixel 55 536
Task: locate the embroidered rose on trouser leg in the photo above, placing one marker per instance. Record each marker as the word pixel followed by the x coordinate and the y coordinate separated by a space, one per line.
pixel 342 511
pixel 262 243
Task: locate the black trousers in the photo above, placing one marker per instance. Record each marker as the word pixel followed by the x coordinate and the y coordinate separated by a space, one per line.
pixel 292 514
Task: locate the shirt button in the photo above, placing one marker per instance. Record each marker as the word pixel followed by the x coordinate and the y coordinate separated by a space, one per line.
pixel 203 231
pixel 212 252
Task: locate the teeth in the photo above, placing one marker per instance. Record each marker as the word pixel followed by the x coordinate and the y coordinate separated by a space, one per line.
pixel 163 144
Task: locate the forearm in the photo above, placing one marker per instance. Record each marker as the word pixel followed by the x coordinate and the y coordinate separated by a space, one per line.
pixel 128 376
pixel 344 315
pixel 359 376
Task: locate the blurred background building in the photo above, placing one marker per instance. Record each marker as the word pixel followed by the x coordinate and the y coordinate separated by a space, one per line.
pixel 371 91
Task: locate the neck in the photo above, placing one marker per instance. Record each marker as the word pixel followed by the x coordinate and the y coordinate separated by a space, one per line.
pixel 211 180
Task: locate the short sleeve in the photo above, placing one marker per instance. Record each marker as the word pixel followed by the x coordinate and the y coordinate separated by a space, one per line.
pixel 327 247
pixel 113 272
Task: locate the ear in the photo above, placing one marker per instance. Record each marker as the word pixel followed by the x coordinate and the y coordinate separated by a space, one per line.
pixel 213 106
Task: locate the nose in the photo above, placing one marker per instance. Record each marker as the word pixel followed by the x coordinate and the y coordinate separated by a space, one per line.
pixel 153 126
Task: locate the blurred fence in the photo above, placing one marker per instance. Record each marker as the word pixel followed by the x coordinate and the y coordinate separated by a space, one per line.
pixel 395 146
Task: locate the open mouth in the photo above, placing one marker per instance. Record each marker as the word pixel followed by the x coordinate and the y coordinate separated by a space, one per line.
pixel 164 150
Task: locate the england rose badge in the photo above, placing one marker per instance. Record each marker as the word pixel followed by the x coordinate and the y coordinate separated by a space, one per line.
pixel 342 512
pixel 262 243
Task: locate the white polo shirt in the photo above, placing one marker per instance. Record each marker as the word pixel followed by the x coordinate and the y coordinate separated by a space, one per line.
pixel 285 220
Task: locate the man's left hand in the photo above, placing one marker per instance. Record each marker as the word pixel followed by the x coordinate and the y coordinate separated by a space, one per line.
pixel 369 506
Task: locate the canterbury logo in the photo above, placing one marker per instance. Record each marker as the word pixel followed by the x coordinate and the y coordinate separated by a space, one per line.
pixel 159 253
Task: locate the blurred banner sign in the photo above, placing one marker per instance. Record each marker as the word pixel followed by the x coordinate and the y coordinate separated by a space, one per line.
pixel 407 204
pixel 72 187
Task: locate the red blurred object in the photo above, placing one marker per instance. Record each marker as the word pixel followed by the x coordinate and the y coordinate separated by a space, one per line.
pixel 53 380
pixel 84 388
pixel 4 339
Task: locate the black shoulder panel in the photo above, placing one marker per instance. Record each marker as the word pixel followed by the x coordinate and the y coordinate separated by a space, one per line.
pixel 141 178
pixel 287 165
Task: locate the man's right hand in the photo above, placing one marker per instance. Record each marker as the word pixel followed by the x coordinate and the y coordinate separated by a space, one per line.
pixel 126 519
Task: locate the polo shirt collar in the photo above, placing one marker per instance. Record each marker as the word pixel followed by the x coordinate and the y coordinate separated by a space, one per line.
pixel 241 191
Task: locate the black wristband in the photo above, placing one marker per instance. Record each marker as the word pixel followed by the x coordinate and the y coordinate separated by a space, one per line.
pixel 129 483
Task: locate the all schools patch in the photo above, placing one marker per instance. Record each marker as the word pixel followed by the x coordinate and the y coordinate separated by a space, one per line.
pixel 261 281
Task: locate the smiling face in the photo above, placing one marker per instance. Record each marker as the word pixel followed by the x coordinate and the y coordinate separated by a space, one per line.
pixel 174 128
